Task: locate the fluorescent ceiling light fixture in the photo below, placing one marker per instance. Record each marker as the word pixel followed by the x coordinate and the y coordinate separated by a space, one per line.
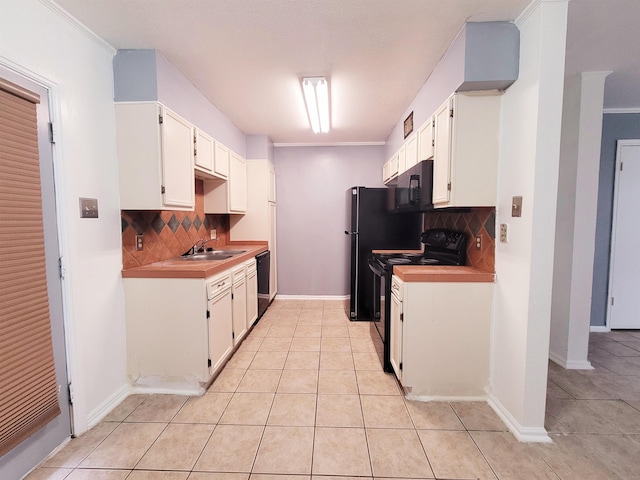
pixel 316 96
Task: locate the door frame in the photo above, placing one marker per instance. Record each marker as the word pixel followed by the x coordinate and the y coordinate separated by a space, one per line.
pixel 17 73
pixel 614 220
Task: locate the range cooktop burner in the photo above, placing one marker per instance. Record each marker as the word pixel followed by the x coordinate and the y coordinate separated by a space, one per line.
pixel 398 261
pixel 428 261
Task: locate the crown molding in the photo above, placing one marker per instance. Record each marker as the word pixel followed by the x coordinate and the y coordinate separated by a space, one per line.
pixel 621 110
pixel 335 144
pixel 90 34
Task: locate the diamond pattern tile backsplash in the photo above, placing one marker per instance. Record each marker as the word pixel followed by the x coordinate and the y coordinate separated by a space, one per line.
pixel 169 233
pixel 476 221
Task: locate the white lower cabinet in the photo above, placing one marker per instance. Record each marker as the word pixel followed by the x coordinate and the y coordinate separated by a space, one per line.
pixel 440 338
pixel 239 300
pixel 395 336
pixel 220 330
pixel 180 330
pixel 252 292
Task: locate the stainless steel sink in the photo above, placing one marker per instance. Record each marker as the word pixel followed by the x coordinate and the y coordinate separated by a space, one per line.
pixel 212 255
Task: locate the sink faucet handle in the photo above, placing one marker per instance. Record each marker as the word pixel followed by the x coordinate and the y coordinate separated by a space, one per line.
pixel 200 245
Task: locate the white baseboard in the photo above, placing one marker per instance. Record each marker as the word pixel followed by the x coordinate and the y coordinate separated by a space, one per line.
pixel 570 364
pixel 109 404
pixel 599 329
pixel 522 434
pixel 153 384
pixel 428 398
pixel 311 297
pixel 149 390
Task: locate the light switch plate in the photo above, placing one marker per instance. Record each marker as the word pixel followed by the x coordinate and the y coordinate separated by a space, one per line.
pixel 88 207
pixel 516 207
pixel 213 234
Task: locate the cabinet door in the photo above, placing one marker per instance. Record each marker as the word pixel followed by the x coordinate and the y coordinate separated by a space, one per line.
pixel 425 140
pixel 252 298
pixel 205 151
pixel 177 161
pixel 411 152
pixel 401 159
pixel 220 329
pixel 237 183
pixel 239 309
pixel 396 336
pixel 221 160
pixel 442 155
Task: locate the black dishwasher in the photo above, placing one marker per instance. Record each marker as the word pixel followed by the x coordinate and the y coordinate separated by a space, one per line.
pixel 263 260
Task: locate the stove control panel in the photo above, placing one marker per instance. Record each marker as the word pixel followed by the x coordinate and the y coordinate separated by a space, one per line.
pixel 444 239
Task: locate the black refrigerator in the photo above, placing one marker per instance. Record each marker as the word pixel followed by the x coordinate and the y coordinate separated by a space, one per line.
pixel 372 226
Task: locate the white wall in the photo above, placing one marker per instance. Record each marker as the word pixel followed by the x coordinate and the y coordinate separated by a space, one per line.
pixel 576 219
pixel 312 182
pixel 530 145
pixel 35 39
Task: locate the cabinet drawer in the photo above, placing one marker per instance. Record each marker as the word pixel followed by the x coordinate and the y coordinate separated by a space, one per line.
pixel 251 266
pixel 397 287
pixel 217 285
pixel 238 272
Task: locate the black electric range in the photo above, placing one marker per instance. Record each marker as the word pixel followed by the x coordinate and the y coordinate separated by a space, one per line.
pixel 441 247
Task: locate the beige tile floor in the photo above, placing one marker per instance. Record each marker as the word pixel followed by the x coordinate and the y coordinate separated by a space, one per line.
pixel 305 398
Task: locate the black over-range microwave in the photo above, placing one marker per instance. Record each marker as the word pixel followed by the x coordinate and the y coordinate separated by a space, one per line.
pixel 413 191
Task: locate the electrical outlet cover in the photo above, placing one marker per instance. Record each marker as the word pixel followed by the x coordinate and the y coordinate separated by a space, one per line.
pixel 503 232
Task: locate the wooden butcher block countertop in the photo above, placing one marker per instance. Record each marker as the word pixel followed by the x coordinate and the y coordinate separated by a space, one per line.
pixel 441 273
pixel 179 268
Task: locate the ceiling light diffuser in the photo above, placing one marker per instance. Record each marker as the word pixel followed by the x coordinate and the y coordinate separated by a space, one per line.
pixel 316 97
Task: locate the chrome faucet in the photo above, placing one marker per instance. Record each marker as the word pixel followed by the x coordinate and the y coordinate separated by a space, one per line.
pixel 199 246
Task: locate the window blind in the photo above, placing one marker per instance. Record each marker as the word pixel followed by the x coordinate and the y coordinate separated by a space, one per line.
pixel 28 391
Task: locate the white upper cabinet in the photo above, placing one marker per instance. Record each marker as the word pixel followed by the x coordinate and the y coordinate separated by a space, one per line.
pixel 155 157
pixel 221 166
pixel 390 169
pixel 204 152
pixel 237 183
pixel 466 151
pixel 402 159
pixel 441 157
pixel 411 152
pixel 227 196
pixel 425 140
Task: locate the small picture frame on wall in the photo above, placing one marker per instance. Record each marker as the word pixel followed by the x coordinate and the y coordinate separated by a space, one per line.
pixel 408 125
